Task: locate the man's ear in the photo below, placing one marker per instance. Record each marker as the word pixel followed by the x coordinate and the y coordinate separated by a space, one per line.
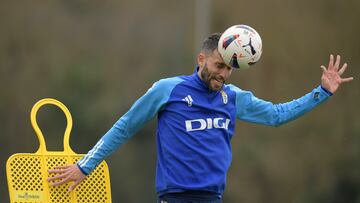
pixel 201 59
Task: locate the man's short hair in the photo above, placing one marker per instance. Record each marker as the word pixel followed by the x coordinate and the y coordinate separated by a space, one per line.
pixel 211 43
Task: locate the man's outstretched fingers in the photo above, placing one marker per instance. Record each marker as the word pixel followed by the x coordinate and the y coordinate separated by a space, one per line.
pixel 347 79
pixel 66 174
pixel 337 63
pixel 57 177
pixel 342 69
pixel 73 186
pixel 58 169
pixel 65 180
pixel 331 62
pixel 323 68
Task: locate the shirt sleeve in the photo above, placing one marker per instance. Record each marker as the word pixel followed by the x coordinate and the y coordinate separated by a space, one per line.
pixel 252 109
pixel 144 109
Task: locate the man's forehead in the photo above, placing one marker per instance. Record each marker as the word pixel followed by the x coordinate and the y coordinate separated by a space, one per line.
pixel 215 55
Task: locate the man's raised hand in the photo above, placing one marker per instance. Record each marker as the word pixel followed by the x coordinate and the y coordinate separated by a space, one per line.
pixel 331 77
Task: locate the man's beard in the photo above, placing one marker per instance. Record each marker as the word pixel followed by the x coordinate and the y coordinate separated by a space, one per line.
pixel 207 77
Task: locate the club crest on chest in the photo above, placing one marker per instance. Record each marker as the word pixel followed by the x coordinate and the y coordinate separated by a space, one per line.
pixel 224 96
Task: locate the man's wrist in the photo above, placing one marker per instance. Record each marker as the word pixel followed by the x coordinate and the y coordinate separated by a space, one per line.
pixel 82 170
pixel 325 90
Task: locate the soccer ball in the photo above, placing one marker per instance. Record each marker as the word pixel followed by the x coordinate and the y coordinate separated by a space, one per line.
pixel 240 46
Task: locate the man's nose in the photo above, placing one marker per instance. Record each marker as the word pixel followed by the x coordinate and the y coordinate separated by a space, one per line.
pixel 224 73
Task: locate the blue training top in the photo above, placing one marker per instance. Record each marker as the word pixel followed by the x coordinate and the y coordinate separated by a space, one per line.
pixel 195 126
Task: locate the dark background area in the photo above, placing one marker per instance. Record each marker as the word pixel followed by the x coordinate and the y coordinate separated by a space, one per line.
pixel 98 57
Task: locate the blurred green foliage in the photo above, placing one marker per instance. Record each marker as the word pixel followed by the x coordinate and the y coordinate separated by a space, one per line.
pixel 98 57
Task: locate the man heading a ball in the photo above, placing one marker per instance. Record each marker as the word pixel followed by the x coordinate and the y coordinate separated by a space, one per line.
pixel 196 120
